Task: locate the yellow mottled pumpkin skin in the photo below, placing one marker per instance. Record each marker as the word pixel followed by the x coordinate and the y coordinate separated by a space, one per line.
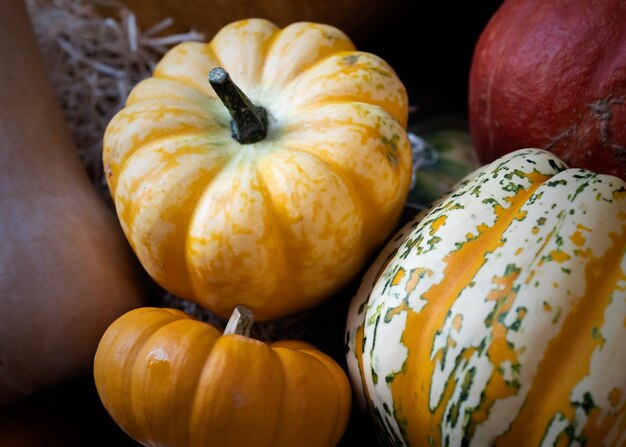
pixel 498 316
pixel 280 224
pixel 170 380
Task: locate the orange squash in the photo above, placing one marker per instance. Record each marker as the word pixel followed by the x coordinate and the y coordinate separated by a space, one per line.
pixel 168 379
pixel 65 269
pixel 278 220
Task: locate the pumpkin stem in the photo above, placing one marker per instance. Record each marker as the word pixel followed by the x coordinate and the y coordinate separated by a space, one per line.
pixel 249 122
pixel 240 321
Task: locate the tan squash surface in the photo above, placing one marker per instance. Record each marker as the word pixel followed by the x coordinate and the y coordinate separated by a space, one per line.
pixel 65 270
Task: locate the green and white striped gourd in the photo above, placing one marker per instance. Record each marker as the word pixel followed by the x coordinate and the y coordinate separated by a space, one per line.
pixel 498 316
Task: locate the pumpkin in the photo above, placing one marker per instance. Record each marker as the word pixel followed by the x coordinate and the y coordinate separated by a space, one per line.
pixel 168 379
pixel 498 317
pixel 277 206
pixel 552 74
pixel 65 270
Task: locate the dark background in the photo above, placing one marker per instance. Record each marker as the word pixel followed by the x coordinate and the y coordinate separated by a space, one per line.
pixel 430 46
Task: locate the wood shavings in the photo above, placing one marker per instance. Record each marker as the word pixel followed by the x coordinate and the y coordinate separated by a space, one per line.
pixel 93 62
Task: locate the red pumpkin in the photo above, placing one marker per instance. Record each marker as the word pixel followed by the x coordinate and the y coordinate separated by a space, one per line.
pixel 552 74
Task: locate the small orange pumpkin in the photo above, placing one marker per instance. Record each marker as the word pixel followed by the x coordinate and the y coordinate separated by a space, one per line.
pixel 170 380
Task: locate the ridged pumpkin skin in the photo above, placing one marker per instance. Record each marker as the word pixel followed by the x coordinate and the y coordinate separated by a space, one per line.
pixel 558 69
pixel 499 316
pixel 280 224
pixel 169 380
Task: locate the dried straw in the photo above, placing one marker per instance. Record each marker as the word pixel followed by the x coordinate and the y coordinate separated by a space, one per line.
pixel 93 62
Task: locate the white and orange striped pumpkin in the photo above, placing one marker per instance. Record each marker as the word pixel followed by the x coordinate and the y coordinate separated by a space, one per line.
pixel 498 317
pixel 280 223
